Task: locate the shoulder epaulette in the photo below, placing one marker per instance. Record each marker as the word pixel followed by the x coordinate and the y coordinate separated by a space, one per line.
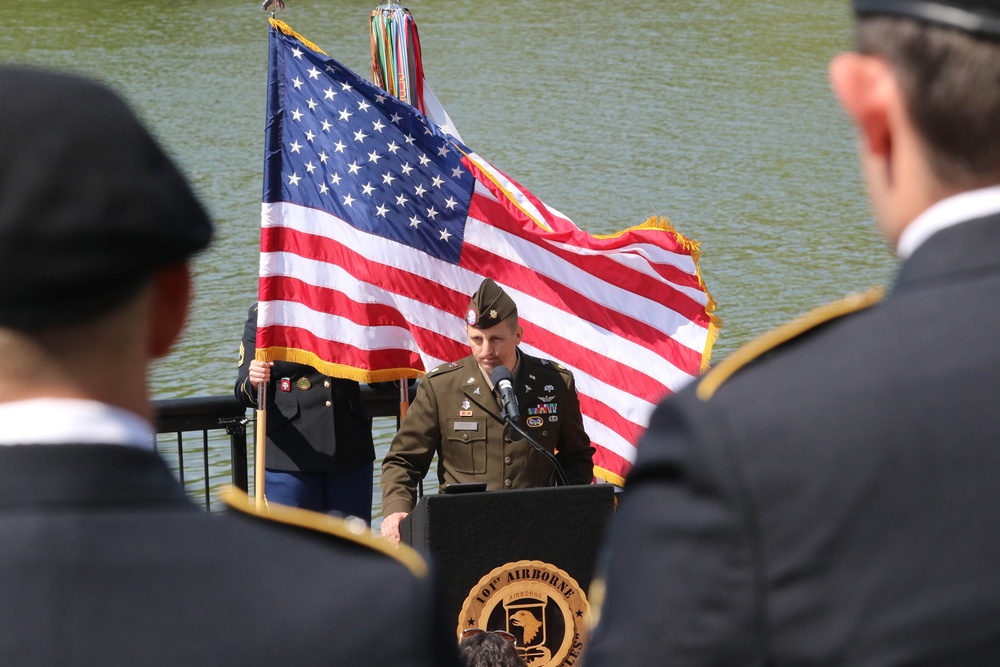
pixel 541 361
pixel 714 379
pixel 330 525
pixel 450 366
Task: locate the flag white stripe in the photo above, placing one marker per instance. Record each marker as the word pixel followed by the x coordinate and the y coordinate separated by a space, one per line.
pixel 524 253
pixel 384 251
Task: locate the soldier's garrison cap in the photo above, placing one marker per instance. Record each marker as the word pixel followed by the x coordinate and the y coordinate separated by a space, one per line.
pixel 90 206
pixel 981 17
pixel 490 305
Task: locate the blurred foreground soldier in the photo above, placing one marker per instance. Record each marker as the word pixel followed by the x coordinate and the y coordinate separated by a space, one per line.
pixel 103 560
pixel 828 495
pixel 453 415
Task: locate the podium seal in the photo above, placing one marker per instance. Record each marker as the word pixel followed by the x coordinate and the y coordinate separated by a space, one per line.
pixel 542 606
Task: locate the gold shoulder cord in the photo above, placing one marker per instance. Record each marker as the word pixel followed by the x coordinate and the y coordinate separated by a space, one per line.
pixel 714 379
pixel 323 523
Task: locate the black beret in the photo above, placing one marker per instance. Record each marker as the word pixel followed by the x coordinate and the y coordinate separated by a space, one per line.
pixel 90 206
pixel 489 306
pixel 981 17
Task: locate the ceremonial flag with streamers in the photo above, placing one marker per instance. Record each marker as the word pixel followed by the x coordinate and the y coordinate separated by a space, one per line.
pixel 377 227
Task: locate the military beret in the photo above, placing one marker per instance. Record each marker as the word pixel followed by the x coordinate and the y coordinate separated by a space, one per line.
pixel 90 206
pixel 490 305
pixel 981 17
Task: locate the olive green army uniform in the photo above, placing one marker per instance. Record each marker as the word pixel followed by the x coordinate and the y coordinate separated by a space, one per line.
pixel 451 416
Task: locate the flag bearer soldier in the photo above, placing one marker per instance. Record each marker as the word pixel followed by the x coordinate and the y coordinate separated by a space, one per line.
pixel 320 451
pixel 103 559
pixel 454 415
pixel 828 495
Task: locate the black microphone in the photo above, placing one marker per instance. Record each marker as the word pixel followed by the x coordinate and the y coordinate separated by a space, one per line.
pixel 502 379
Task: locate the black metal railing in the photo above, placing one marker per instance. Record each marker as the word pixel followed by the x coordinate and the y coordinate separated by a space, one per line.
pixel 192 435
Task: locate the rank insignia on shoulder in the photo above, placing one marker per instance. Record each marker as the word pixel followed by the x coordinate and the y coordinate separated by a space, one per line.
pixel 285 384
pixel 303 384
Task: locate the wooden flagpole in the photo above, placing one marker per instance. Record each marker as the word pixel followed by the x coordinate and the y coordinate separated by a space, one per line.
pixel 404 400
pixel 260 445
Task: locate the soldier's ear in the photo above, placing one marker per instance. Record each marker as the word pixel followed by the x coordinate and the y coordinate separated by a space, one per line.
pixel 866 88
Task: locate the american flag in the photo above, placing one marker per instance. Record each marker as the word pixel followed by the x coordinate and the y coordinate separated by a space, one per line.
pixel 377 227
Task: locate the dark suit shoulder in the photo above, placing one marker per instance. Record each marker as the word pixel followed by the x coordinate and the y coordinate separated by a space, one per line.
pixel 781 335
pixel 328 525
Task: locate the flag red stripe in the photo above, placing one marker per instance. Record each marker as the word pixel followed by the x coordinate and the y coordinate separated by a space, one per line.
pixel 348 355
pixel 387 277
pixel 556 293
pixel 609 270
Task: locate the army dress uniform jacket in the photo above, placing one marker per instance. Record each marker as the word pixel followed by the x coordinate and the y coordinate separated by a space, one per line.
pixel 104 561
pixel 835 502
pixel 315 423
pixel 450 416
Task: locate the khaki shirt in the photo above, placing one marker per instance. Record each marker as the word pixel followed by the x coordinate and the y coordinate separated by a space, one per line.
pixel 452 416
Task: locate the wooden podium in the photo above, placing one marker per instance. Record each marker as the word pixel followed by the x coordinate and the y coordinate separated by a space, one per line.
pixel 519 560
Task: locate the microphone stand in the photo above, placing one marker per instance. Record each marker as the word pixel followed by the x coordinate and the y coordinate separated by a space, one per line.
pixel 560 473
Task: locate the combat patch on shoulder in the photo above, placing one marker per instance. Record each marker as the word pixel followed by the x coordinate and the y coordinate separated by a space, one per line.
pixel 852 303
pixel 330 525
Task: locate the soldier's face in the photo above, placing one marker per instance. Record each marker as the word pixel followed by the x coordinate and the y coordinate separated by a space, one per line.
pixel 496 346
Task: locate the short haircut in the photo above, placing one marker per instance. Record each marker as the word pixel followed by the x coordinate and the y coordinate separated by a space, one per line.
pixel 951 83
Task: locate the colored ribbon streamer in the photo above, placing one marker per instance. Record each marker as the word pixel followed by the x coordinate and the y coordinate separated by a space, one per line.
pixel 396 62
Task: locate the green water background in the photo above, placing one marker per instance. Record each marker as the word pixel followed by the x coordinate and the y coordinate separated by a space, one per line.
pixel 716 115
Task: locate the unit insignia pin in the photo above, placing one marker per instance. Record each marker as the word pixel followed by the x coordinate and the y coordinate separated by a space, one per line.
pixel 303 384
pixel 466 405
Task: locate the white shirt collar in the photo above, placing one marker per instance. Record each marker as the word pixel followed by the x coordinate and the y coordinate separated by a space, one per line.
pixel 947 213
pixel 57 421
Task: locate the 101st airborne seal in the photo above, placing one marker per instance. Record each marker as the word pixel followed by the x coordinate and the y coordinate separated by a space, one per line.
pixel 542 606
